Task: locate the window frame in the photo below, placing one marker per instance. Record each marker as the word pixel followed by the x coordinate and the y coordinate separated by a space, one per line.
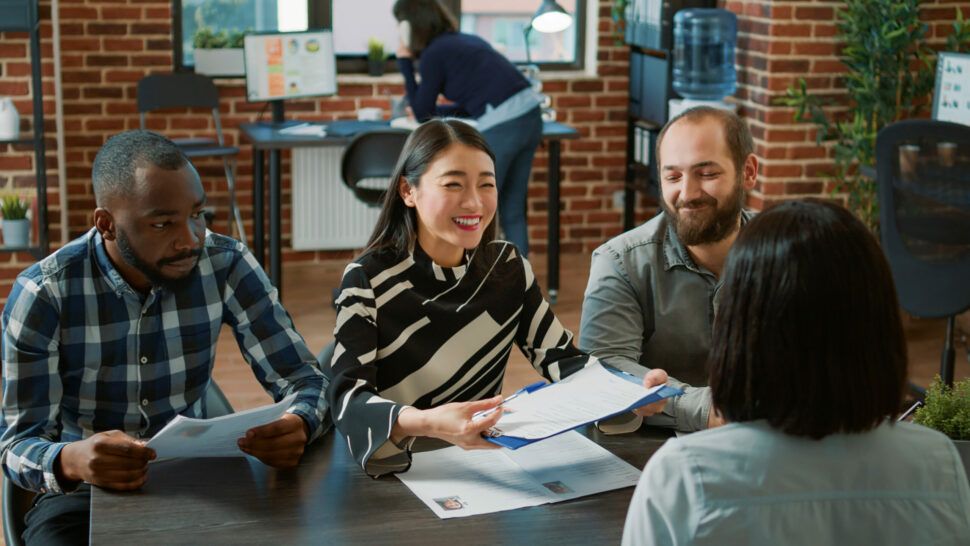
pixel 320 16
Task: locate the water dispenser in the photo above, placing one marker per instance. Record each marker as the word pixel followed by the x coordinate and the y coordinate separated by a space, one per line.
pixel 703 58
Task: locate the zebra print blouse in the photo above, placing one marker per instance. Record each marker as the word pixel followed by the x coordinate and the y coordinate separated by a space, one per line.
pixel 412 333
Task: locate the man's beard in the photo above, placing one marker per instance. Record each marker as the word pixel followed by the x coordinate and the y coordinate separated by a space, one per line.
pixel 154 272
pixel 712 227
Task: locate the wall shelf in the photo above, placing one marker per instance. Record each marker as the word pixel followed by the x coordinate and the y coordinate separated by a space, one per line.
pixel 22 16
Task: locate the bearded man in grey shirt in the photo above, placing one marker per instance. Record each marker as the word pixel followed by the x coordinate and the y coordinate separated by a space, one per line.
pixel 651 295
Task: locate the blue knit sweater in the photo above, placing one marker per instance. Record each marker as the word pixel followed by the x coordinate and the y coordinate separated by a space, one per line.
pixel 466 70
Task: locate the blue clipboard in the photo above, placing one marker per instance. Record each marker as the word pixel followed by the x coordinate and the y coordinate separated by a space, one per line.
pixel 514 442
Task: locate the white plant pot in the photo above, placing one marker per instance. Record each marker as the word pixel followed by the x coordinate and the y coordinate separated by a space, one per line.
pixel 16 233
pixel 220 62
pixel 9 120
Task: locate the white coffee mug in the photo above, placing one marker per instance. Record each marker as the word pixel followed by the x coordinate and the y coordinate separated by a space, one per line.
pixel 369 114
pixel 9 120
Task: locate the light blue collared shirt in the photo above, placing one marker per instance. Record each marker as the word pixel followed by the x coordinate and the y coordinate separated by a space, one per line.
pixel 746 483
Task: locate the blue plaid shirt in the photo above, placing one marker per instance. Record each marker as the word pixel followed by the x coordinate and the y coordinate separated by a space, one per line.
pixel 83 352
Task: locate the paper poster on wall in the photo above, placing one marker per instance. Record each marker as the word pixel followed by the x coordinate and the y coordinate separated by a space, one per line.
pixel 951 101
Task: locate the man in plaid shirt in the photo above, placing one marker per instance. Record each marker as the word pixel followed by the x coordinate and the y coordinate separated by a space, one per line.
pixel 109 338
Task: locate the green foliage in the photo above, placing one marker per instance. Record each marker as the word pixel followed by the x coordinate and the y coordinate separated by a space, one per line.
pixel 890 74
pixel 13 206
pixel 205 38
pixel 375 51
pixel 947 410
pixel 618 12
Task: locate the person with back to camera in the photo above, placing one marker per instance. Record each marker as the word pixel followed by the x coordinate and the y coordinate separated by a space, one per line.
pixel 808 366
pixel 483 85
pixel 427 316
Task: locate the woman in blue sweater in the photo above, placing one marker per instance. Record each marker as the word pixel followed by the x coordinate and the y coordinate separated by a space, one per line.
pixel 481 84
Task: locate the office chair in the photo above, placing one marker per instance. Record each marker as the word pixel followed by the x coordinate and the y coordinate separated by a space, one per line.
pixel 371 155
pixel 923 178
pixel 17 501
pixel 187 90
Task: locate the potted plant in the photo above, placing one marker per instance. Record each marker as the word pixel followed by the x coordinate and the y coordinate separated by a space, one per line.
pixel 15 225
pixel 947 409
pixel 218 53
pixel 376 56
pixel 890 74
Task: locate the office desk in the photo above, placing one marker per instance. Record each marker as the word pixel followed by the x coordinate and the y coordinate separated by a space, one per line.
pixel 328 499
pixel 264 137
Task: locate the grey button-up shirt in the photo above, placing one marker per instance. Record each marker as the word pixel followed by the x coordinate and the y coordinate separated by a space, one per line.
pixel 648 305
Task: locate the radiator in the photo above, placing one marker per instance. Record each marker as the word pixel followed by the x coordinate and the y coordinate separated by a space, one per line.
pixel 326 215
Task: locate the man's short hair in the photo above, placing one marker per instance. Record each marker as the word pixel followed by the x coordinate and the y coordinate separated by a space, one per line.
pixel 807 335
pixel 736 132
pixel 114 166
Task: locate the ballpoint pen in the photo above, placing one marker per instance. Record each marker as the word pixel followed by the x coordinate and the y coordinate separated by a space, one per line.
pixel 527 389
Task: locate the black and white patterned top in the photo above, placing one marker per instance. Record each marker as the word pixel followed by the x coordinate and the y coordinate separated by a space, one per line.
pixel 412 333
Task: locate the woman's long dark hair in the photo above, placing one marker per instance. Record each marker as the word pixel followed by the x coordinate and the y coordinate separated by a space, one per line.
pixel 807 334
pixel 397 225
pixel 428 18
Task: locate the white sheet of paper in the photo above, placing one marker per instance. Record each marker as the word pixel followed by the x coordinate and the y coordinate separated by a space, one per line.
pixel 588 395
pixel 216 437
pixel 456 483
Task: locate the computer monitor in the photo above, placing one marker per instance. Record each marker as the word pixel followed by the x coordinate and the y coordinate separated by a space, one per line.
pixel 288 65
pixel 951 100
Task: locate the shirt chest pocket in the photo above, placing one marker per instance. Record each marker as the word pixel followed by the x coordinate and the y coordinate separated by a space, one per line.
pixel 193 343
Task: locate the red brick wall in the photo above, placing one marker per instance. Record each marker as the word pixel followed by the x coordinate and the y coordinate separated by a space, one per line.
pixel 108 45
pixel 780 41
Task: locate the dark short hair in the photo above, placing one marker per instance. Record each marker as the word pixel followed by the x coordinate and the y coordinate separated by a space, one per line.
pixel 736 132
pixel 807 334
pixel 114 166
pixel 428 18
pixel 397 225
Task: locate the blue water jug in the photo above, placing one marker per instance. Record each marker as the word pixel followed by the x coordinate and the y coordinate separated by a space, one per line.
pixel 704 40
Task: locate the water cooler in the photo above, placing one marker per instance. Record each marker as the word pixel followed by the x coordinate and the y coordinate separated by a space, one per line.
pixel 703 59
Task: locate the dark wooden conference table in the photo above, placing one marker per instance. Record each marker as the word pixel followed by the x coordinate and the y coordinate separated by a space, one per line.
pixel 328 499
pixel 265 137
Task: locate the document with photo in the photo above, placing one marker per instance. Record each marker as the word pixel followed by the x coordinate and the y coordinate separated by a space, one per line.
pixel 216 437
pixel 456 483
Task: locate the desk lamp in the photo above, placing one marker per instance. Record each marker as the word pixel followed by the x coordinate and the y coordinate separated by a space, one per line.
pixel 549 18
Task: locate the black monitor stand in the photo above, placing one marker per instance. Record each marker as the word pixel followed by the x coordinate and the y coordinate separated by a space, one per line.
pixel 277 109
pixel 279 122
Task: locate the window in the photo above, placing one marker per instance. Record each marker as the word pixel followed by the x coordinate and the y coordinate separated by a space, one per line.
pixel 500 22
pixel 231 16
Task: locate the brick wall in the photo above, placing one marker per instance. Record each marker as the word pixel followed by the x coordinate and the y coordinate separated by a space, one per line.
pixel 780 41
pixel 108 45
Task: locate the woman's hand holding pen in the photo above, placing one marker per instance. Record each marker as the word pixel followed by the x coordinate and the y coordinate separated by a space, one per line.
pixel 653 378
pixel 451 422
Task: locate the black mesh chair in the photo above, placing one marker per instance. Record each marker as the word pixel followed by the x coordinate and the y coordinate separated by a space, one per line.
pixel 17 501
pixel 367 165
pixel 923 176
pixel 187 90
pixel 372 156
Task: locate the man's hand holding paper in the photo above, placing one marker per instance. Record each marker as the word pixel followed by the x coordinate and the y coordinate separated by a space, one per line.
pixel 653 378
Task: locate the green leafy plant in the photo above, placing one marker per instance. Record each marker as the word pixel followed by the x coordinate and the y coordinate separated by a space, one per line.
pixel 890 74
pixel 947 409
pixel 375 51
pixel 618 13
pixel 205 38
pixel 13 206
